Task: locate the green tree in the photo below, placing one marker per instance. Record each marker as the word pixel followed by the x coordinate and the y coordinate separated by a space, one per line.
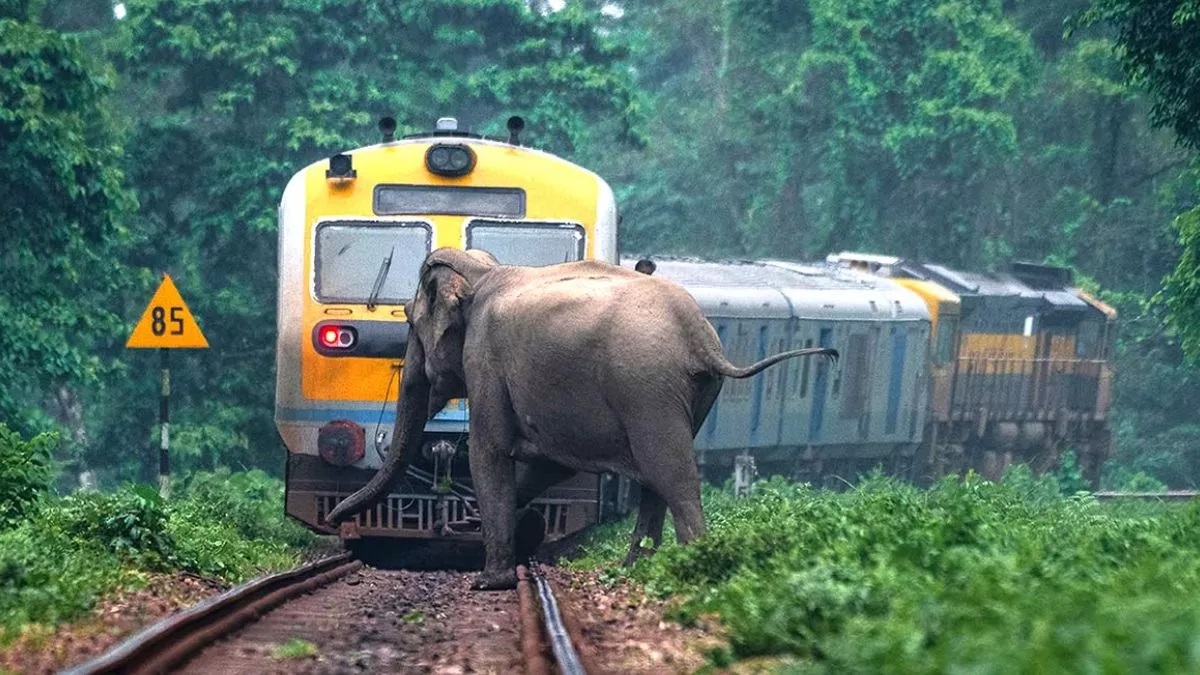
pixel 1154 412
pixel 796 128
pixel 1158 43
pixel 64 202
pixel 1182 287
pixel 969 133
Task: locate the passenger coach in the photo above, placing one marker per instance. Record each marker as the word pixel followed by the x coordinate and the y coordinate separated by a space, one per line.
pixel 807 418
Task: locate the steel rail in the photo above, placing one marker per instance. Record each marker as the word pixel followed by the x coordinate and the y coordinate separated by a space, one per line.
pixel 182 635
pixel 549 625
pixel 1166 496
pixel 532 649
pixel 568 659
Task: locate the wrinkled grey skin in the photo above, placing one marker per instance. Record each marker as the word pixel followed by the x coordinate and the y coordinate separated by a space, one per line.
pixel 582 366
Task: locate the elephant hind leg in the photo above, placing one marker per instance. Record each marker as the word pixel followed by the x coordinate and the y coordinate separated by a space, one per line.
pixel 652 511
pixel 708 387
pixel 529 533
pixel 663 453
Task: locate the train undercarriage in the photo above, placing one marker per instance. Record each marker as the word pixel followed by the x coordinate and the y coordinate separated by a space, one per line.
pixel 948 448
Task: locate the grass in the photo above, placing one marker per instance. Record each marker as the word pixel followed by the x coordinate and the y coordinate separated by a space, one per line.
pixel 65 553
pixel 968 576
pixel 293 650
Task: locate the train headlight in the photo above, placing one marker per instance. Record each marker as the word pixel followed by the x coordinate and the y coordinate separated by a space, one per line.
pixel 341 168
pixel 449 159
pixel 341 442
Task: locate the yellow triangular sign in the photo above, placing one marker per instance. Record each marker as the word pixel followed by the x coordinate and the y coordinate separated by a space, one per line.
pixel 167 322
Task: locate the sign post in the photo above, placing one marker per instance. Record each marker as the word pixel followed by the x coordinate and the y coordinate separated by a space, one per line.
pixel 166 324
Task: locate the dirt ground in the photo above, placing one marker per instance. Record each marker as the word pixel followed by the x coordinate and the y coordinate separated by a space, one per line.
pixel 626 630
pixel 47 650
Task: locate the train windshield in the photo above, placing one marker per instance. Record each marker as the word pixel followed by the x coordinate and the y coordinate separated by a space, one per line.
pixel 527 243
pixel 358 261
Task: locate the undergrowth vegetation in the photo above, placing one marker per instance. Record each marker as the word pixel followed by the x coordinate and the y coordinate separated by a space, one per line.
pixel 59 555
pixel 967 576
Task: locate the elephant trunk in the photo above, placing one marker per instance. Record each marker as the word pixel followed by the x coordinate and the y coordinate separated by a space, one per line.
pixel 412 412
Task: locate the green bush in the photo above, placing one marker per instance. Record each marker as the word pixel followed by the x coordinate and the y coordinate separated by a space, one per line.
pixel 968 576
pixel 26 473
pixel 130 523
pixel 47 577
pixel 232 524
pixel 76 549
pixel 250 502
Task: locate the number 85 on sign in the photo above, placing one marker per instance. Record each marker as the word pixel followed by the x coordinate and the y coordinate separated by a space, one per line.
pixel 167 322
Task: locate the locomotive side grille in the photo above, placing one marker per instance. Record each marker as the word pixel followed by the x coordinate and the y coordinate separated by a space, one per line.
pixel 1027 388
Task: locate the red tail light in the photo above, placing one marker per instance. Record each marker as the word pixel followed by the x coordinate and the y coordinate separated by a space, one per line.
pixel 338 337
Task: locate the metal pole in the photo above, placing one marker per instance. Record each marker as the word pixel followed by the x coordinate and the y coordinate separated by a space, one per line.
pixel 164 469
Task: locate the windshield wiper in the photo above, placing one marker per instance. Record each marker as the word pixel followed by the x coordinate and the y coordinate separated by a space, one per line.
pixel 379 279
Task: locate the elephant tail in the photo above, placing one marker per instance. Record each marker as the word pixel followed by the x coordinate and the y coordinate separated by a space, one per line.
pixel 724 367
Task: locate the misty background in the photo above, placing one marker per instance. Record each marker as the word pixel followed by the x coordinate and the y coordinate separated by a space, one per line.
pixel 966 132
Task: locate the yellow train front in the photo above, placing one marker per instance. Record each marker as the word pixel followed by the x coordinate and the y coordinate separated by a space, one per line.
pixel 353 231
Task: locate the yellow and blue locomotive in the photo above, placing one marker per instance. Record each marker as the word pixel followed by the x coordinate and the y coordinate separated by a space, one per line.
pixel 353 232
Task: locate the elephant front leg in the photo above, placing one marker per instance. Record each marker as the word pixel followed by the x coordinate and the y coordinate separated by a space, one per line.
pixel 492 472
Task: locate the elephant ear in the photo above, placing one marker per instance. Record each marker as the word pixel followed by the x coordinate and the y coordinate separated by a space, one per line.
pixel 446 299
pixel 441 327
pixel 445 288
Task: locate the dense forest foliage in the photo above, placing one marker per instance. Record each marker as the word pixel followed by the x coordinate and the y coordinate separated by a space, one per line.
pixel 970 132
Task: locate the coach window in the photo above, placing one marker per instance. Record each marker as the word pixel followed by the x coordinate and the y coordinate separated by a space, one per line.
pixel 857 374
pixel 527 243
pixel 352 255
pixel 804 371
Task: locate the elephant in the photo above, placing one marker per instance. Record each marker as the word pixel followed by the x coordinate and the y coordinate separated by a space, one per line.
pixel 580 366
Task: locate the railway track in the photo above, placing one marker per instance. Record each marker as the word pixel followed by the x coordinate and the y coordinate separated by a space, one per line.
pixel 173 640
pixel 551 638
pixel 336 615
pixel 1167 496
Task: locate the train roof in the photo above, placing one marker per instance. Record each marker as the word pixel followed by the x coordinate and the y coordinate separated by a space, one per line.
pixel 1022 281
pixel 782 289
pixel 447 131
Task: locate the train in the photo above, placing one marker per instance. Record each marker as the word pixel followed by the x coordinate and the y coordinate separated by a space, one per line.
pixel 943 371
